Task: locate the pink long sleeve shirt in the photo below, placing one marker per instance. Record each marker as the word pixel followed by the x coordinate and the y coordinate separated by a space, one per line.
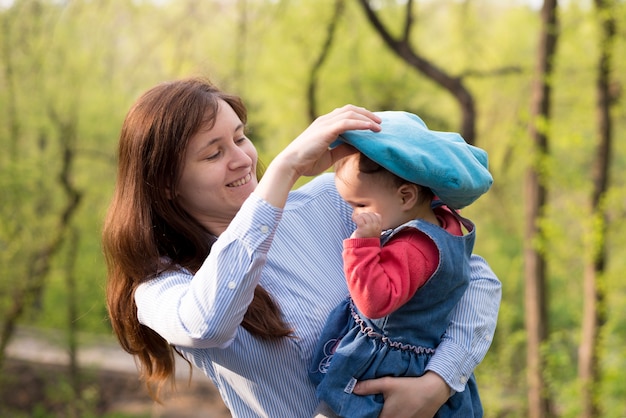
pixel 381 279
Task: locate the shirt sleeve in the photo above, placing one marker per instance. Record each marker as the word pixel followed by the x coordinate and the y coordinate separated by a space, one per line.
pixel 381 279
pixel 206 309
pixel 471 329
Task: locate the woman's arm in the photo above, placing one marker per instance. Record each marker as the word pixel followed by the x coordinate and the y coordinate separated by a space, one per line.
pixel 471 329
pixel 309 155
pixel 206 309
pixel 463 347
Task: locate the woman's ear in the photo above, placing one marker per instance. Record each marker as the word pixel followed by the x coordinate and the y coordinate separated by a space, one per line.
pixel 408 195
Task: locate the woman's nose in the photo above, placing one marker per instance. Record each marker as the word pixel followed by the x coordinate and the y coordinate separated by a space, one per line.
pixel 239 158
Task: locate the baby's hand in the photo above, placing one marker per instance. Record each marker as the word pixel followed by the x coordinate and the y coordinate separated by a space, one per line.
pixel 368 225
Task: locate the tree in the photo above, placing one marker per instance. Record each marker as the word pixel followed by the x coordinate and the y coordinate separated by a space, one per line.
pixel 535 194
pixel 594 297
pixel 319 62
pixel 39 260
pixel 30 264
pixel 403 48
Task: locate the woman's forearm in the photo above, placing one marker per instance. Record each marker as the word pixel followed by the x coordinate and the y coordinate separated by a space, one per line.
pixel 206 309
pixel 471 328
pixel 309 155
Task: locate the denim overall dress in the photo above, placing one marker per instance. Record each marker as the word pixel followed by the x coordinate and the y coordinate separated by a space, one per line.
pixel 353 347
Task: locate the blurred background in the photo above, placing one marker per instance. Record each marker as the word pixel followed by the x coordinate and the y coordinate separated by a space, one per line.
pixel 539 86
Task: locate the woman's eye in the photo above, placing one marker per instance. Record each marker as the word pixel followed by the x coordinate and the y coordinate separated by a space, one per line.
pixel 241 140
pixel 213 156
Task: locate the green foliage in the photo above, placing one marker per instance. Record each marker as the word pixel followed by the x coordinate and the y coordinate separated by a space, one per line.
pixel 80 64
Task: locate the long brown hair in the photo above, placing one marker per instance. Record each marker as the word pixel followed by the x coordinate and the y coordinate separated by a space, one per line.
pixel 146 233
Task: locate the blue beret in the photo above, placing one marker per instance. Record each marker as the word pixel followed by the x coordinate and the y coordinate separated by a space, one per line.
pixel 454 170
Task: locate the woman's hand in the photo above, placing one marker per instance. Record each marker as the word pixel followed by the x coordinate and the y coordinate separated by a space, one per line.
pixel 308 154
pixel 408 397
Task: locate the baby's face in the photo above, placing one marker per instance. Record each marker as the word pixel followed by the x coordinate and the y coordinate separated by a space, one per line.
pixel 369 193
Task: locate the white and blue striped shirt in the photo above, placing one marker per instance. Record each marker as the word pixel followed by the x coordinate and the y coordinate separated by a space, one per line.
pixel 295 254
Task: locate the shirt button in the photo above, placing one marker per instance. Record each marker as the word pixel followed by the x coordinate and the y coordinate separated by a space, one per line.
pixel 231 285
pixel 265 229
pixel 463 379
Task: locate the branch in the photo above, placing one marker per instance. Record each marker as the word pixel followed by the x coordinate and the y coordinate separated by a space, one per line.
pixel 491 73
pixel 317 65
pixel 454 85
pixel 408 21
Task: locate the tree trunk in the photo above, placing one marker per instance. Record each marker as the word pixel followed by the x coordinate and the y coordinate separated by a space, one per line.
pixel 319 62
pixel 241 42
pixel 594 308
pixel 74 405
pixel 41 260
pixel 10 79
pixel 535 194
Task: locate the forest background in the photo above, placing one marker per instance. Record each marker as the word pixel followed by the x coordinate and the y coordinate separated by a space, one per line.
pixel 69 70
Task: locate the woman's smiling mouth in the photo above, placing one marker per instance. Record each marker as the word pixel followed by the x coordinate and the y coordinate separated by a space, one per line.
pixel 241 181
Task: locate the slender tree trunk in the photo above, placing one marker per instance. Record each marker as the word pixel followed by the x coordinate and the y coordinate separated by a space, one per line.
pixel 535 194
pixel 594 300
pixel 10 105
pixel 74 408
pixel 241 42
pixel 319 62
pixel 41 260
pixel 39 266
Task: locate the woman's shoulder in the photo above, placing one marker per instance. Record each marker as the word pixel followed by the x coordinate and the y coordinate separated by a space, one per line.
pixel 321 187
pixel 322 182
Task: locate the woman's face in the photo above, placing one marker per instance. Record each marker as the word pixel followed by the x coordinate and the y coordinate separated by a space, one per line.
pixel 219 171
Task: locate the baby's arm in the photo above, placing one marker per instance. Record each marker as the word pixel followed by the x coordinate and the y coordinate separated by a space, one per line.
pixel 381 279
pixel 368 225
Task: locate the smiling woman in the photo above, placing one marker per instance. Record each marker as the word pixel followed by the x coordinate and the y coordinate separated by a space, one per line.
pixel 204 262
pixel 218 171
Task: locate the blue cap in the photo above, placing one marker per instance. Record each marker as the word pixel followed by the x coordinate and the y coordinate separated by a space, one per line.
pixel 454 170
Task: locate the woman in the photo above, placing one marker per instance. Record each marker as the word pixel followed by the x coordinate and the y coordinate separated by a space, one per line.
pixel 238 277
